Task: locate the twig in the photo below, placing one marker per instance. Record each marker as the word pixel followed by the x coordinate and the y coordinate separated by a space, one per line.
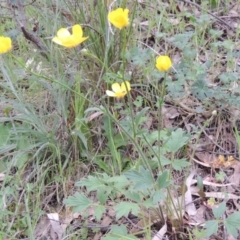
pixel 211 138
pixel 34 39
pixel 23 23
pixel 33 1
pixel 213 15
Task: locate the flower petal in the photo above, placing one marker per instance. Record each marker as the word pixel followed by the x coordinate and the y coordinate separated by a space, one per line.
pixel 57 40
pixel 119 17
pixel 163 63
pixel 120 94
pixel 5 44
pixel 63 33
pixel 110 93
pixel 125 12
pixel 77 31
pixel 116 87
pixel 81 40
pixel 125 86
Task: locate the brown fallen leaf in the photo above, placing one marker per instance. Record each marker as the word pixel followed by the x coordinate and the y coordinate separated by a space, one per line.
pixel 169 114
pixel 189 205
pixel 160 234
pixel 220 195
pixel 2 176
pixel 198 219
pixel 42 228
pixel 234 179
pixel 106 222
pixel 57 228
pixel 213 161
pixel 94 115
pixel 207 183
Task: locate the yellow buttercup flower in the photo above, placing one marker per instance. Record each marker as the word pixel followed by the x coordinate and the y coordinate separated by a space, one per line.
pixel 163 63
pixel 68 40
pixel 119 91
pixel 5 44
pixel 119 18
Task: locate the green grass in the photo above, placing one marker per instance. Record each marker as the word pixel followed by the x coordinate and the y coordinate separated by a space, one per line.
pixel 67 147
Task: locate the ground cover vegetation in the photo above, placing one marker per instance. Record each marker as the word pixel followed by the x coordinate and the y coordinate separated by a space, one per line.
pixel 119 119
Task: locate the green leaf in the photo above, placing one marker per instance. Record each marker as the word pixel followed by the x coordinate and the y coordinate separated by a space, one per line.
pixel 228 77
pixel 4 130
pixel 232 230
pixel 120 140
pixel 219 210
pixel 158 196
pixel 179 164
pixel 91 183
pixel 211 227
pixel 139 101
pixel 21 159
pixel 119 233
pixel 140 115
pixel 121 230
pixel 98 211
pixel 199 182
pixel 164 161
pixel 124 208
pixel 148 203
pixel 232 224
pixel 81 137
pixel 142 179
pixel 138 56
pixel 119 181
pixel 220 176
pixel 103 166
pixel 199 234
pixel 214 3
pixel 201 90
pixel 177 140
pixel 102 195
pixel 181 40
pixel 132 196
pixel 78 201
pixel 162 181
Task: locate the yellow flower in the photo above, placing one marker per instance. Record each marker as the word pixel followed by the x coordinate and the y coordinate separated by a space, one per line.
pixel 119 18
pixel 5 44
pixel 163 63
pixel 119 91
pixel 68 40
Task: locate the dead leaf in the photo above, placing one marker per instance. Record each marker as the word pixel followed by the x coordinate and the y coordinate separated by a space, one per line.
pixel 148 123
pixel 220 195
pixel 42 229
pixel 169 114
pixel 201 163
pixel 98 236
pixel 234 179
pixel 55 224
pixel 205 158
pixel 93 116
pixel 104 224
pixel 212 161
pixel 211 183
pixel 198 219
pixel 160 234
pixel 230 237
pixel 189 205
pixel 2 176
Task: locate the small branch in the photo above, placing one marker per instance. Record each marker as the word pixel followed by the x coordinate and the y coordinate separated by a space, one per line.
pixel 20 18
pixel 37 41
pixel 213 15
